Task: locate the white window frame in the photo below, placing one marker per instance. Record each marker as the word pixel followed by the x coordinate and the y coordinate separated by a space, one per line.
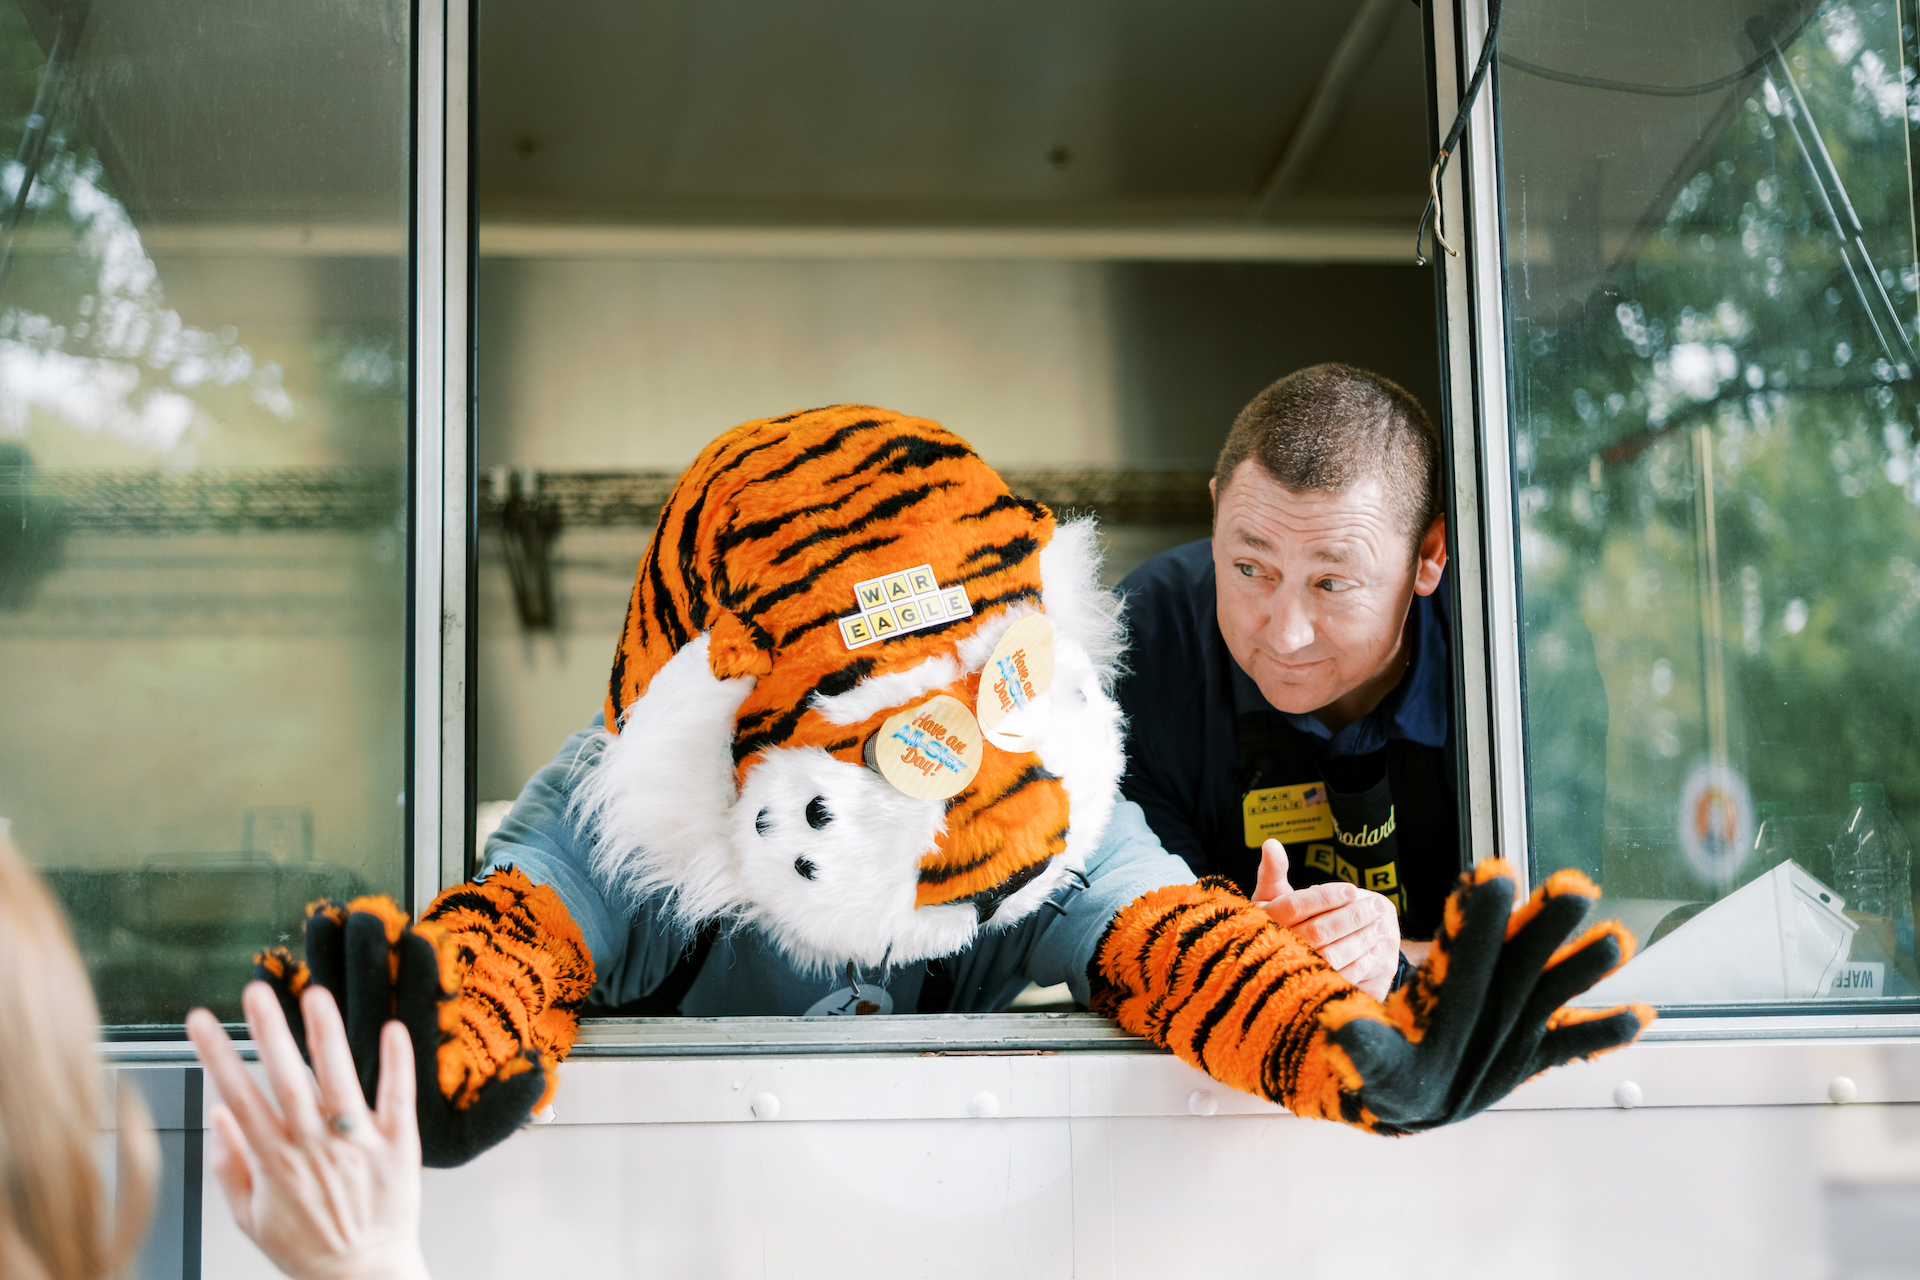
pixel 440 804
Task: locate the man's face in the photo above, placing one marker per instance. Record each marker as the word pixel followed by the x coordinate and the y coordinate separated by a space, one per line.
pixel 1314 587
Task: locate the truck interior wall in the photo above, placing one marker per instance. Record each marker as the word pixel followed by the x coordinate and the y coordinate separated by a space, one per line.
pixel 636 364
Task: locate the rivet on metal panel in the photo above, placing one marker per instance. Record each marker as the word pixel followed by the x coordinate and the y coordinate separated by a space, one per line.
pixel 738 1085
pixel 1842 1089
pixel 765 1106
pixel 1201 1102
pixel 1626 1095
pixel 983 1106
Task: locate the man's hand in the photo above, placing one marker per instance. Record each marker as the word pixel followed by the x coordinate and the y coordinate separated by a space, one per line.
pixel 1355 931
pixel 326 1186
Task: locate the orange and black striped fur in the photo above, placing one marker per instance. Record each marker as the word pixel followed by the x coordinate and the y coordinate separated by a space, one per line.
pixel 1200 970
pixel 508 954
pixel 510 949
pixel 757 552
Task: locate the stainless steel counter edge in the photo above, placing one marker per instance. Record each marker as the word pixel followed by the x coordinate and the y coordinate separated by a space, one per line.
pixel 1017 1032
pixel 1080 1066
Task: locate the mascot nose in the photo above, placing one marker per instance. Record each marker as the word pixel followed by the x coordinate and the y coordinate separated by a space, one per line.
pixel 1000 833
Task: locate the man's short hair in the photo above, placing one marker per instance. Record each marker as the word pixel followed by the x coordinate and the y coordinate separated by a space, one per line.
pixel 1328 426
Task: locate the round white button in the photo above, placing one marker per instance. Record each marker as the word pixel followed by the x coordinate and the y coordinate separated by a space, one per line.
pixel 1842 1089
pixel 765 1106
pixel 1626 1095
pixel 983 1105
pixel 1201 1102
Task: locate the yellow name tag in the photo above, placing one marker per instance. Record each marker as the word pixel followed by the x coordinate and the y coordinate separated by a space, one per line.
pixel 1287 814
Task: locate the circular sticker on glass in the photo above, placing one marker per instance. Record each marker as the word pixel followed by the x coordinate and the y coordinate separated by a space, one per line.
pixel 930 751
pixel 1014 683
pixel 1716 821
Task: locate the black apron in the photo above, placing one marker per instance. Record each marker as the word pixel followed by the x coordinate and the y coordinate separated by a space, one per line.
pixel 1386 821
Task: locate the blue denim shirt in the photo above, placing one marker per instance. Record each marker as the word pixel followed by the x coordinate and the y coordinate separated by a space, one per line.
pixel 635 946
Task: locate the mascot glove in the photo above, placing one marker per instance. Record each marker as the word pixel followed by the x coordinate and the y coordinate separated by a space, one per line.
pixel 489 986
pixel 1201 971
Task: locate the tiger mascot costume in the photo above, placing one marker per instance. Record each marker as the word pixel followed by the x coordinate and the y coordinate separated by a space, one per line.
pixel 861 705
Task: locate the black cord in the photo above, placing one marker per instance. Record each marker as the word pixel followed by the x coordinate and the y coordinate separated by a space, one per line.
pixel 1628 86
pixel 1453 139
pixel 1783 39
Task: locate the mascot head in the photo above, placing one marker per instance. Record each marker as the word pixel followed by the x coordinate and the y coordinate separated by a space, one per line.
pixel 830 715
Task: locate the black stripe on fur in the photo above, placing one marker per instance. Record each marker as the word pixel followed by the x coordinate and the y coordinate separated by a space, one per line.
pixel 885 509
pixel 905 452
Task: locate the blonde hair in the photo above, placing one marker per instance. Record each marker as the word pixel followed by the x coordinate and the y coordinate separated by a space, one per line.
pixel 55 1219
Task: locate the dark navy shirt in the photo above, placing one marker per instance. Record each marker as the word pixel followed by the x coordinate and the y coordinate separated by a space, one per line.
pixel 1184 695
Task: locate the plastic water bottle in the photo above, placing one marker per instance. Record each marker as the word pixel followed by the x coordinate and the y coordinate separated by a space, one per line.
pixel 1873 863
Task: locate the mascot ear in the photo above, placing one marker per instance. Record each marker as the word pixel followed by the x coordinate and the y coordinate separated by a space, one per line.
pixel 1078 606
pixel 738 648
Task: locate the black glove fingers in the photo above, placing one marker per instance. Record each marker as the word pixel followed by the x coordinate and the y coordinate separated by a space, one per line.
pixel 327 951
pixel 418 996
pixel 1555 918
pixel 1473 954
pixel 1520 1057
pixel 451 1137
pixel 1594 1035
pixel 369 996
pixel 1593 959
pixel 1409 1086
pixel 276 968
pixel 1515 1015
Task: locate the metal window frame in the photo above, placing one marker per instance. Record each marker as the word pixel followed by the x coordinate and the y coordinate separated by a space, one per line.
pixel 1484 555
pixel 439 794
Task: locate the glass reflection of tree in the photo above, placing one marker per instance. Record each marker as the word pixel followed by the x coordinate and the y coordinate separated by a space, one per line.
pixel 91 342
pixel 1719 481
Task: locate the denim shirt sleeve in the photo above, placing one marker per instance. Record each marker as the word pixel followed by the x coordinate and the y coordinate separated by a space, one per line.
pixel 633 946
pixel 1056 943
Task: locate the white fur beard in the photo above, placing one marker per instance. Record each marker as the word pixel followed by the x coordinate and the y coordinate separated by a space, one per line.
pixel 656 803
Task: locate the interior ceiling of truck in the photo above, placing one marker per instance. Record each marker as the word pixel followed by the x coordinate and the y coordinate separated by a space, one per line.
pixel 1080 110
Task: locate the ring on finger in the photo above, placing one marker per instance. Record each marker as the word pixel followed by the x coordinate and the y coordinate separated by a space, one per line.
pixel 343 1124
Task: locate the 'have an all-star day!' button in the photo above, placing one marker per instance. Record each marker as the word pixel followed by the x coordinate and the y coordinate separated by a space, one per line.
pixel 930 751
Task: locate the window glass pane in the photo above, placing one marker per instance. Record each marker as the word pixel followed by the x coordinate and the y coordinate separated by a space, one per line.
pixel 1711 281
pixel 203 446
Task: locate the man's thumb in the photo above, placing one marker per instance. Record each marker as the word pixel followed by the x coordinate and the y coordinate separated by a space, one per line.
pixel 1272 881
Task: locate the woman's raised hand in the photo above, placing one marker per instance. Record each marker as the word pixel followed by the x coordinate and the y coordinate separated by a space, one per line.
pixel 328 1189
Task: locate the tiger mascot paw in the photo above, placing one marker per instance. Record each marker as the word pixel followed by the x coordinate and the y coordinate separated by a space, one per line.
pixel 489 986
pixel 1202 971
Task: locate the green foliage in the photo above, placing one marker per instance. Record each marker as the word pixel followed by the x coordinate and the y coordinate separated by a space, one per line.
pixel 1719 491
